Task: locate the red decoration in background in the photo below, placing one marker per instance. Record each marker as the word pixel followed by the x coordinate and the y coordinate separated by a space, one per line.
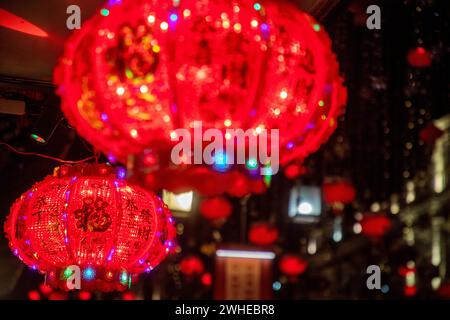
pixel 263 234
pixel 430 133
pixel 34 295
pixel 206 279
pixel 191 266
pixel 292 265
pixel 89 216
pixel 84 295
pixel 338 192
pixel 444 291
pixel 375 226
pixel 128 79
pixel 128 296
pixel 294 170
pixel 216 208
pixel 419 57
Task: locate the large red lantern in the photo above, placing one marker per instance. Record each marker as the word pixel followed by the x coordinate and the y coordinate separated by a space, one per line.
pixel 88 216
pixel 141 69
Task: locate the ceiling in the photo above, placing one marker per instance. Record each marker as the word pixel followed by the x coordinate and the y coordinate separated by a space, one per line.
pixel 30 57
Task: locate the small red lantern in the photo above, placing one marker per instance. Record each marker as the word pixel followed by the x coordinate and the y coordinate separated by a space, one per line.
pixel 84 295
pixel 217 208
pixel 263 234
pixel 419 57
pixel 88 216
pixel 34 295
pixel 292 265
pixel 444 291
pixel 338 192
pixel 292 171
pixel 128 296
pixel 375 226
pixel 191 266
pixel 239 185
pixel 206 279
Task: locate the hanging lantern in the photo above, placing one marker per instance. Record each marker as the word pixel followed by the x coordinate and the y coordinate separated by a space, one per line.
pixel 89 217
pixel 216 208
pixel 338 192
pixel 191 266
pixel 263 234
pixel 292 265
pixel 375 226
pixel 419 57
pixel 129 78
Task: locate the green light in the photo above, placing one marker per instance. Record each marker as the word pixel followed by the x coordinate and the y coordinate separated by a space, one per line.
pixel 104 12
pixel 257 6
pixel 316 27
pixel 36 138
pixel 321 103
pixel 67 273
pixel 252 164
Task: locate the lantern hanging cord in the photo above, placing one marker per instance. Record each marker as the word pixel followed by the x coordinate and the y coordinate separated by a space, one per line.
pixel 45 156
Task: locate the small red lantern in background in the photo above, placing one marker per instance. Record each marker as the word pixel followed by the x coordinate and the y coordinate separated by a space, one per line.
pixel 263 234
pixel 375 225
pixel 237 64
pixel 338 192
pixel 217 208
pixel 191 266
pixel 84 295
pixel 294 170
pixel 430 133
pixel 292 265
pixel 89 216
pixel 444 291
pixel 419 57
pixel 128 296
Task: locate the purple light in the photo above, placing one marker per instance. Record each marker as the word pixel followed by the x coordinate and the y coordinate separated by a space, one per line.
pixel 290 145
pixel 112 158
pixel 104 117
pixel 121 173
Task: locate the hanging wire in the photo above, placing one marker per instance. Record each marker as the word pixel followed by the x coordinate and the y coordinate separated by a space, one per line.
pixel 45 156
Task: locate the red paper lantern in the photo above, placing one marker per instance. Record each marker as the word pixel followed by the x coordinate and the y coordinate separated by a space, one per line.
pixel 89 216
pixel 263 234
pixel 84 295
pixel 375 226
pixel 128 296
pixel 419 57
pixel 215 208
pixel 338 192
pixel 292 265
pixel 130 77
pixel 191 266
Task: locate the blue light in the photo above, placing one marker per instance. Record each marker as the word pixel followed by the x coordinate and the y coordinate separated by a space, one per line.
pixel 385 288
pixel 124 277
pixel 173 17
pixel 257 6
pixel 276 285
pixel 89 273
pixel 220 161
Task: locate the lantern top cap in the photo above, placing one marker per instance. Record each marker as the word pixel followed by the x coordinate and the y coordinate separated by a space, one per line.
pixel 86 169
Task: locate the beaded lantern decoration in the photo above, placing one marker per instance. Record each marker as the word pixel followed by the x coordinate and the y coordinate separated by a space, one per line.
pixel 88 216
pixel 142 68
